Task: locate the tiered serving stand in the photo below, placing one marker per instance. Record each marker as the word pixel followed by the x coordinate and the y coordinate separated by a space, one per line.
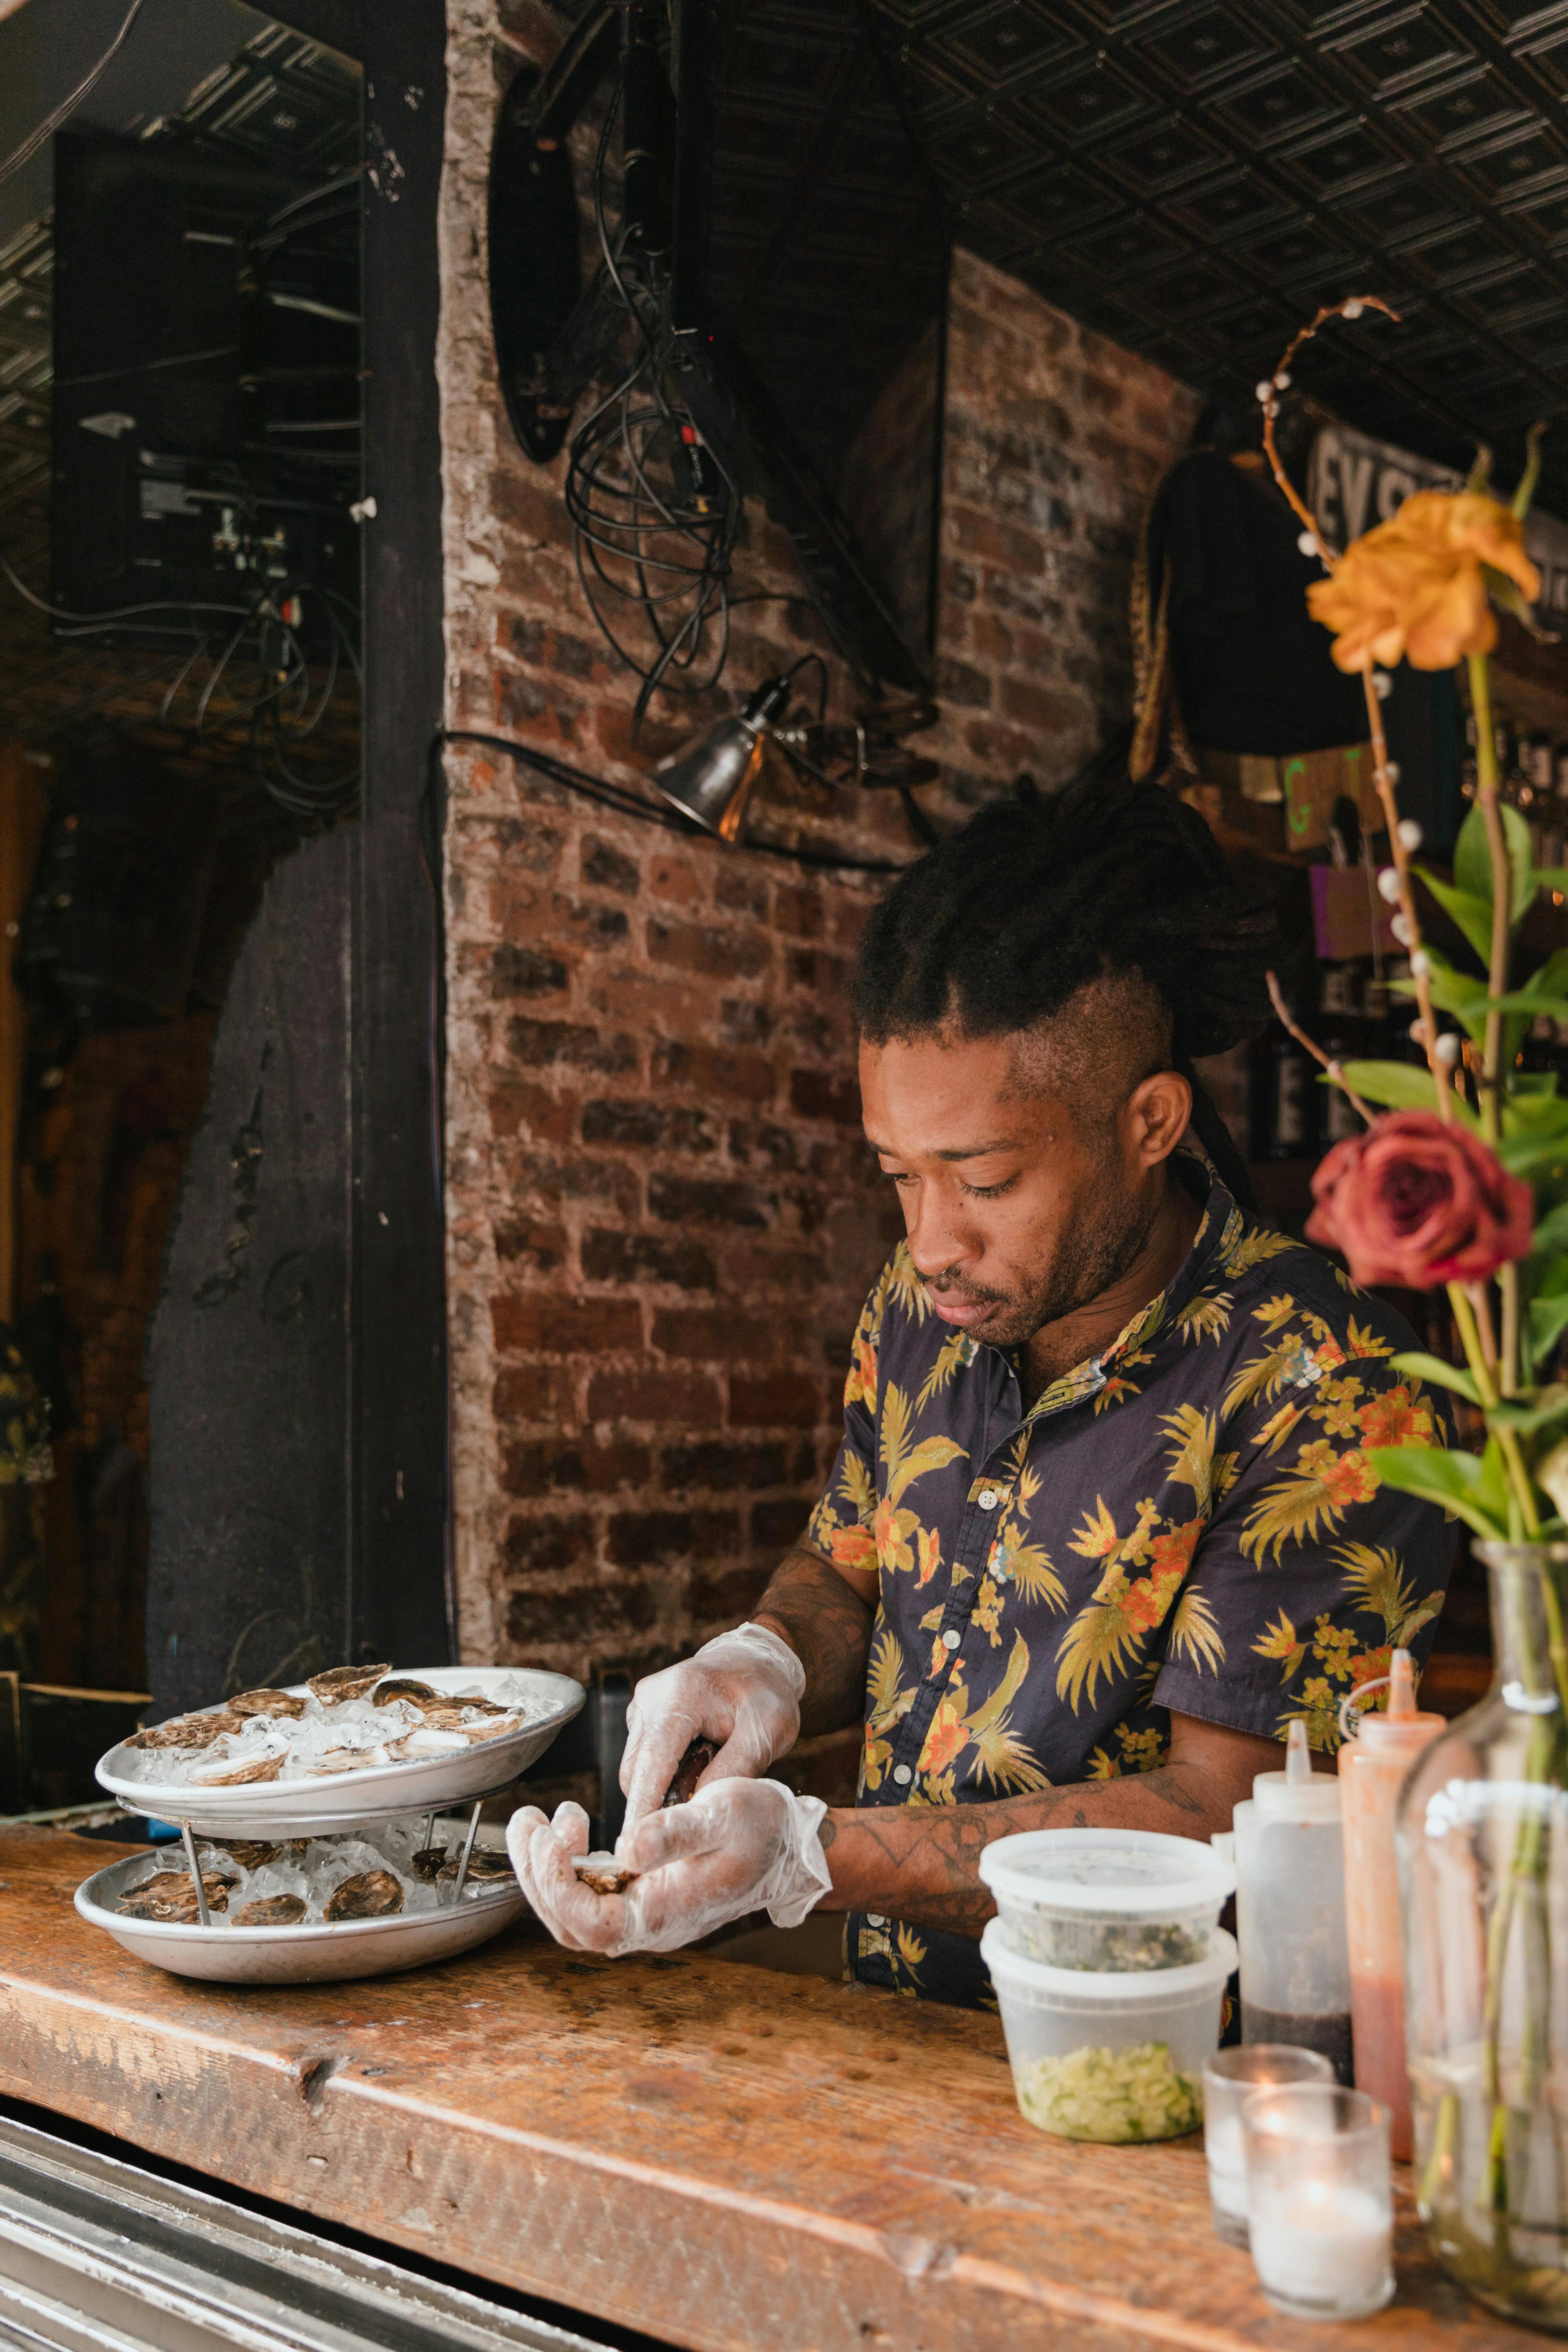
pixel 342 1804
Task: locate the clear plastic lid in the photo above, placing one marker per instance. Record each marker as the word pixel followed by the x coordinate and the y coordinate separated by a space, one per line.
pixel 1106 1988
pixel 1119 1873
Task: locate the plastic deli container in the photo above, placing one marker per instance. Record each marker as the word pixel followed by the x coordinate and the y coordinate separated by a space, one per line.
pixel 1110 2056
pixel 1131 1900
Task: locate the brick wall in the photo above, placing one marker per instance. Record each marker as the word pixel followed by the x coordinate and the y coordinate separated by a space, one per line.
pixel 662 1217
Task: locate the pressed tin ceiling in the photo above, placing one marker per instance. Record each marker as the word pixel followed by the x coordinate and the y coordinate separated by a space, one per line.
pixel 1192 180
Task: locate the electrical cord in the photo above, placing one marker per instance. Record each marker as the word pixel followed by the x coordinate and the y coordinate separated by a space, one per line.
pixel 629 803
pixel 52 121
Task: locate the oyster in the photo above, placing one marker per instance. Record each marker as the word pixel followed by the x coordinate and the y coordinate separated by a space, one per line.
pixel 227 1774
pixel 348 1759
pixel 341 1683
pixel 265 1702
pixel 404 1686
pixel 487 1866
pixel 170 1898
pixel 271 1911
pixel 427 1862
pixel 426 1742
pixel 249 1852
pixel 185 1731
pixel 602 1873
pixel 373 1895
pixel 689 1771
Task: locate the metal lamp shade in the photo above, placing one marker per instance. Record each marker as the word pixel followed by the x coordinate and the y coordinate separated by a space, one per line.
pixel 713 781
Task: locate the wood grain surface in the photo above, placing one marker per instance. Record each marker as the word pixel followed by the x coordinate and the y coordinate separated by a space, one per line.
pixel 729 2158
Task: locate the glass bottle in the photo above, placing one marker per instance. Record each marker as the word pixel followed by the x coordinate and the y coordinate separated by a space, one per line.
pixel 1482 1835
pixel 1372 1764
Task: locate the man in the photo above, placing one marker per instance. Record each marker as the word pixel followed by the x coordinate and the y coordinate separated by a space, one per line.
pixel 1101 1522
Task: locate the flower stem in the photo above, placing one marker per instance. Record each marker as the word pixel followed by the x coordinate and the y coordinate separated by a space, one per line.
pixel 1401 856
pixel 1502 893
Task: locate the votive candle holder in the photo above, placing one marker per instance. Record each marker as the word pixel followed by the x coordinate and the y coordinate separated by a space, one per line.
pixel 1230 2078
pixel 1319 2200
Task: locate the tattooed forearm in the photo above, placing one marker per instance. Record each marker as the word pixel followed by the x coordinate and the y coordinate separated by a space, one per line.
pixel 828 1625
pixel 922 1863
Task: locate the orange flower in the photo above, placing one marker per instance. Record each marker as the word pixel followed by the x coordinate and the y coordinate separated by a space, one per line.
pixel 930 1543
pixel 946 1738
pixel 1393 1419
pixel 1414 587
pixel 852 1547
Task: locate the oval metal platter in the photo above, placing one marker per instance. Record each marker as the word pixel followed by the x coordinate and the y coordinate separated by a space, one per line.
pixel 303 1955
pixel 344 1801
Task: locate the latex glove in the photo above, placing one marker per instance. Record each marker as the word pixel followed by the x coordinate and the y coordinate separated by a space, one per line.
pixel 738 1846
pixel 743 1689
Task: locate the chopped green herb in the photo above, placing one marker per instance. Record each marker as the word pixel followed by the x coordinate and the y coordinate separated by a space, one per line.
pixel 1111 2095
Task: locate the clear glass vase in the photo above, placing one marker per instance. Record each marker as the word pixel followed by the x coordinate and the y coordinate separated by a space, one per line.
pixel 1483 1851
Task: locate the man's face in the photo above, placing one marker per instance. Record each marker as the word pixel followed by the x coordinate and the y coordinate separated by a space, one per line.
pixel 1018 1211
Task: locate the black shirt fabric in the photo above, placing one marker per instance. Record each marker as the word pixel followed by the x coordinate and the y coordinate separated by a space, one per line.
pixel 1253 670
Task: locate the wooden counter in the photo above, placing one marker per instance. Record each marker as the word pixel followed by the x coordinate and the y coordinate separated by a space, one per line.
pixel 721 2156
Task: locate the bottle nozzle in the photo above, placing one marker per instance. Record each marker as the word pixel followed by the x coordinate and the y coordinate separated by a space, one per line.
pixel 1297 1755
pixel 1402 1683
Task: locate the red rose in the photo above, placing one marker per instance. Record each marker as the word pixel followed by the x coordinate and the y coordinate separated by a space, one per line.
pixel 1415 1203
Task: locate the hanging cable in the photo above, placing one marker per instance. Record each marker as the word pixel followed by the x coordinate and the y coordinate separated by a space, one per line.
pixel 52 121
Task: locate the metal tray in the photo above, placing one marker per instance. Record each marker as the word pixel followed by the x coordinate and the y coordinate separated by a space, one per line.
pixel 347 1801
pixel 304 1955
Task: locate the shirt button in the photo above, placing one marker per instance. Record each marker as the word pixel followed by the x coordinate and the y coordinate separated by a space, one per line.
pixel 903 1775
pixel 876 1920
pixel 988 1498
pixel 950 1640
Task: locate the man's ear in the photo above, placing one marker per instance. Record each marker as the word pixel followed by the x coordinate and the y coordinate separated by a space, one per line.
pixel 1159 1110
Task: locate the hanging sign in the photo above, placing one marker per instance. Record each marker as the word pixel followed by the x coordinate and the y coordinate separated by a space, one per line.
pixel 1354 482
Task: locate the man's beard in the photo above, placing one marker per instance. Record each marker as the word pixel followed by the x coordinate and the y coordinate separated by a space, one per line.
pixel 1090 1260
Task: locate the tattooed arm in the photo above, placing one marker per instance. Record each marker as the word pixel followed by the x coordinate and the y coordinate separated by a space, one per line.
pixel 825 1613
pixel 922 1863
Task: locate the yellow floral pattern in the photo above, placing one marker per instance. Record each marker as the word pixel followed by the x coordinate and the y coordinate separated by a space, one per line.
pixel 1190 1522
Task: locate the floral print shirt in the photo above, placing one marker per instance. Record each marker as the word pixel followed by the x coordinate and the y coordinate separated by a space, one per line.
pixel 1188 1521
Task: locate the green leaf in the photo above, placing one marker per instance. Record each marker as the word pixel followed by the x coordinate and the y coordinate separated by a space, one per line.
pixel 1551 878
pixel 1458 1481
pixel 1473 915
pixel 1548 1322
pixel 1530 1420
pixel 1422 1367
pixel 1403 1086
pixel 1473 862
pixel 1533 1153
pixel 1552 1234
pixel 1522 1001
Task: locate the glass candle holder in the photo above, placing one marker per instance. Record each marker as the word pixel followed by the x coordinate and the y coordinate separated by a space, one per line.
pixel 1319 2200
pixel 1230 2077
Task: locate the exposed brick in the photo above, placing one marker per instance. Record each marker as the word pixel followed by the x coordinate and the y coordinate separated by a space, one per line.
pixel 607 869
pixel 541 1322
pixel 642 1538
pixel 548 1466
pixel 778 1524
pixel 681 1399
pixel 722 1463
pixel 826 1094
pixel 716 955
pixel 521 1242
pixel 740 891
pixel 519 1109
pixel 703 1201
pixel 538 1544
pixel 735 1592
pixel 712 1335
pixel 647 1126
pixel 750 1077
pixel 775 1398
pixel 542 1045
pixel 645 1257
pixel 524 971
pixel 582 1610
pixel 675 878
pixel 531 1392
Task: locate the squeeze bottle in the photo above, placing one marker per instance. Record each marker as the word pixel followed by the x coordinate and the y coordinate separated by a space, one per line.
pixel 1372 1764
pixel 1291 1910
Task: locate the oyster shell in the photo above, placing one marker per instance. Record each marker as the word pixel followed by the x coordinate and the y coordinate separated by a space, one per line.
pixel 487 1866
pixel 227 1774
pixel 427 1862
pixel 349 1759
pixel 265 1702
pixel 340 1682
pixel 270 1911
pixel 186 1732
pixel 249 1852
pixel 426 1742
pixel 372 1894
pixel 602 1873
pixel 169 1896
pixel 689 1771
pixel 404 1686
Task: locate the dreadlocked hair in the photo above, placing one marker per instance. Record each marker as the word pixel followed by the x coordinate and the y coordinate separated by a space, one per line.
pixel 998 926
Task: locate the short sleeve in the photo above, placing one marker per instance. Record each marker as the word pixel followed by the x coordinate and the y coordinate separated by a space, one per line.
pixel 1310 1571
pixel 842 1525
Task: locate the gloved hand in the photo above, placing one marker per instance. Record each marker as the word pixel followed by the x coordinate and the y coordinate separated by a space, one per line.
pixel 742 1689
pixel 738 1846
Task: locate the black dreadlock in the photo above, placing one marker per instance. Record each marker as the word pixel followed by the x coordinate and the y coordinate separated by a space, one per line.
pixel 1000 924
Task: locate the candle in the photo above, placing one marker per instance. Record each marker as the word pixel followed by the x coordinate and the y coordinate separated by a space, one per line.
pixel 1230 2078
pixel 1227 2176
pixel 1327 2250
pixel 1319 2200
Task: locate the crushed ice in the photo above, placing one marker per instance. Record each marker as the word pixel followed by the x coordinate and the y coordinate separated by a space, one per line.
pixel 314 1869
pixel 352 1726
